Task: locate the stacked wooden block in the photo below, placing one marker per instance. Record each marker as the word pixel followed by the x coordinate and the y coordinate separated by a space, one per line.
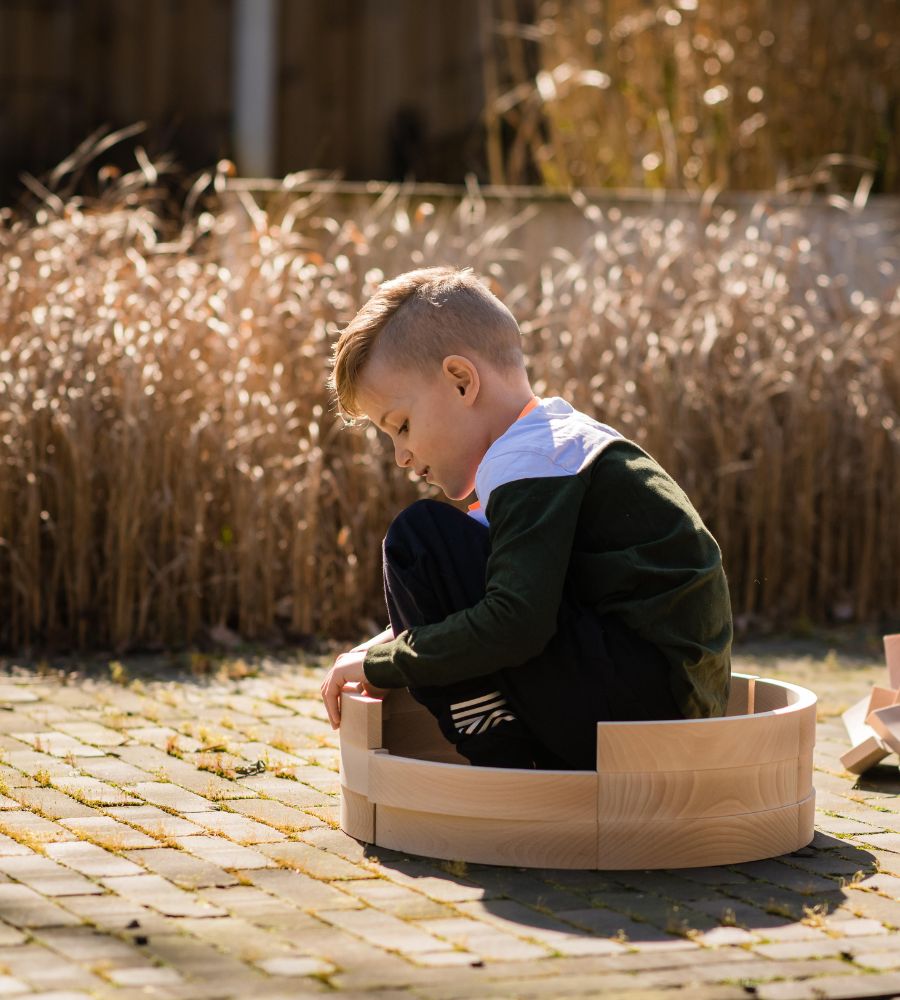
pixel 664 794
pixel 873 723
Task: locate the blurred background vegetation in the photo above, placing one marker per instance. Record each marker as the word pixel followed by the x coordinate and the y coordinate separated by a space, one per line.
pixel 171 468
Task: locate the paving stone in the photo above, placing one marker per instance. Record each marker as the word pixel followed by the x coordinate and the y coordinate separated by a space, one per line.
pixel 94 791
pixel 822 947
pixel 91 860
pixel 107 832
pixel 282 817
pixel 512 917
pixel 885 841
pixel 610 924
pixel 58 744
pixel 385 931
pixel 222 852
pixel 7 803
pixel 44 875
pixel 16 694
pixel 144 976
pixel 200 962
pixel 182 869
pixel 154 821
pixel 164 793
pixel 251 904
pixel 833 987
pixel 396 899
pixel 242 938
pixel 113 770
pixel 52 803
pixel 86 945
pixel 8 846
pixel 30 762
pixel 25 826
pixel 23 907
pixel 9 935
pixel 293 793
pixel 238 828
pixel 113 913
pixel 43 969
pixel 296 966
pixel 183 774
pixel 300 889
pixel 9 986
pixel 319 864
pixel 870 904
pixel 424 877
pixel 91 733
pixel 159 894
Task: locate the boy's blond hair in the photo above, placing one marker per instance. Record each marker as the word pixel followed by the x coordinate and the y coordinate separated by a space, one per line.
pixel 418 318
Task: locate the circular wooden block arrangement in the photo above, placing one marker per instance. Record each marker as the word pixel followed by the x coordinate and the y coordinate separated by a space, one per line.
pixel 679 794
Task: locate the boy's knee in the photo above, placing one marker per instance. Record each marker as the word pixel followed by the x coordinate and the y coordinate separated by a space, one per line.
pixel 420 515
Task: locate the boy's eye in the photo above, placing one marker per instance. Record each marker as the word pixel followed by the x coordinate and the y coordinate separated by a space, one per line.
pixel 403 427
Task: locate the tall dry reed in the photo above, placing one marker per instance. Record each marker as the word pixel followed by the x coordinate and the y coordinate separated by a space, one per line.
pixel 169 459
pixel 692 93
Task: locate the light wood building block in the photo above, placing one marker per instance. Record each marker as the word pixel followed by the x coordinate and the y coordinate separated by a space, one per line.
pixel 865 755
pixel 886 723
pixel 483 792
pixel 892 655
pixel 357 816
pixel 881 697
pixel 854 720
pixel 695 841
pixel 664 794
pixel 526 843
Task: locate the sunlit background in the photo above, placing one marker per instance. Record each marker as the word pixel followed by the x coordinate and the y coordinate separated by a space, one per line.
pixel 691 208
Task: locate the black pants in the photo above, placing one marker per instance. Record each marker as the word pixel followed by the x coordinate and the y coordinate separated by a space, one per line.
pixel 542 713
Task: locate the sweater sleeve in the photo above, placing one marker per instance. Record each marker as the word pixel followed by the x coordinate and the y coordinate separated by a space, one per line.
pixel 532 528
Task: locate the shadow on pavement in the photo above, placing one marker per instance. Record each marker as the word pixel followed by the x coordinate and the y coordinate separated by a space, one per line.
pixel 656 906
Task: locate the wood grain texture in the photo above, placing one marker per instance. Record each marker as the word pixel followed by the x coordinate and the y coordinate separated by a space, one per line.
pixel 864 755
pixel 688 744
pixel 483 792
pixel 354 767
pixel 410 730
pixel 666 794
pixel 357 816
pixel 701 841
pixel 886 723
pixel 725 791
pixel 740 697
pixel 361 720
pixel 892 656
pixel 854 720
pixel 881 697
pixel 528 843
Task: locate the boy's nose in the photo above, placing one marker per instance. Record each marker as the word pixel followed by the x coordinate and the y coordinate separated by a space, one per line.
pixel 403 457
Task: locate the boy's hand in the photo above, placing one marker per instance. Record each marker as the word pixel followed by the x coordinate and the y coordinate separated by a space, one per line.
pixel 347 670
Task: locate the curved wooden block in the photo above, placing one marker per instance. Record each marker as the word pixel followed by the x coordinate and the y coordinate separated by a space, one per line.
pixel 483 792
pixel 892 655
pixel 488 841
pixel 664 794
pixel 696 842
pixel 699 794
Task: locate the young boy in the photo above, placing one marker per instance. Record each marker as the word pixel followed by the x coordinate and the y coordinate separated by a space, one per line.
pixel 581 586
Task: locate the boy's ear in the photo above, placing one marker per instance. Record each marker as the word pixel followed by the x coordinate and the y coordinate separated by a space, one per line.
pixel 463 375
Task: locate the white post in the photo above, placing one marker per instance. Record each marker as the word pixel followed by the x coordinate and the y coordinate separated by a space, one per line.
pixel 253 87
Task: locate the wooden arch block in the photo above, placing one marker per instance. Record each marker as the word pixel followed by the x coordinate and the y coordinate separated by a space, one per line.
pixel 664 794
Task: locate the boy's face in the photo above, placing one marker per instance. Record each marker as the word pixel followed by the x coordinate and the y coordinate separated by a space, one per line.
pixel 431 422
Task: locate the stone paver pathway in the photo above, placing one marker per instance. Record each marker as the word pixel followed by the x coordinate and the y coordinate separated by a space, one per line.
pixel 174 833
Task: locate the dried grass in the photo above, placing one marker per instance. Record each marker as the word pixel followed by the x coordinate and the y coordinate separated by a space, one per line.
pixel 692 93
pixel 169 461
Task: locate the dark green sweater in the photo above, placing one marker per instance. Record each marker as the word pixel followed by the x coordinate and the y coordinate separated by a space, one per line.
pixel 627 541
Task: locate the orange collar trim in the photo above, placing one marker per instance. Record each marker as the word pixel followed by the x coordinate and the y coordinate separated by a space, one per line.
pixel 529 406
